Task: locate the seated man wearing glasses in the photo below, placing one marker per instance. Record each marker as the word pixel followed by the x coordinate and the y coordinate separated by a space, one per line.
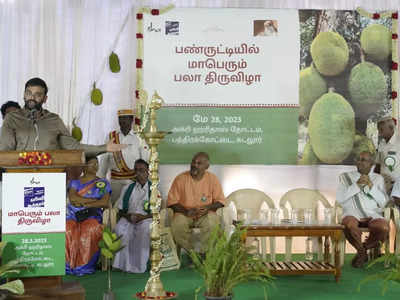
pixel 362 195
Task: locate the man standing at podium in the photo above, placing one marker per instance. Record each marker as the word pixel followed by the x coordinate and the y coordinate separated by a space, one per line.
pixel 121 163
pixel 35 128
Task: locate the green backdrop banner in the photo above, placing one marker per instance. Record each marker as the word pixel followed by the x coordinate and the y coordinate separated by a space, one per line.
pixel 253 135
pixel 44 253
pixel 241 73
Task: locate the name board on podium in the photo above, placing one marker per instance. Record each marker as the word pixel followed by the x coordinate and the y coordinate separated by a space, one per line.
pixel 33 221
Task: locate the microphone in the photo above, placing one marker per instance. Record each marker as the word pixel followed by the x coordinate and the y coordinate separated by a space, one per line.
pixel 32 113
pixel 31 106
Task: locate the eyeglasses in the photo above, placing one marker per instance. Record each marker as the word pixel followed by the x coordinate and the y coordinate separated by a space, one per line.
pixel 36 96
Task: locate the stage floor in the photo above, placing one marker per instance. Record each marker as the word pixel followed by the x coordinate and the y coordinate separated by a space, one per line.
pixel 306 287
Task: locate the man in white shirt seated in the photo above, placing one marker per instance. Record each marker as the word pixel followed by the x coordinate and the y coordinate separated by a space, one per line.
pixel 362 195
pixel 134 225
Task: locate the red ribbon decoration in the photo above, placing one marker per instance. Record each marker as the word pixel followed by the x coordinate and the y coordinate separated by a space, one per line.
pixel 394 66
pixel 155 12
pixel 394 36
pixel 139 16
pixel 395 15
pixel 394 94
pixel 376 16
pixel 137 94
pixel 139 35
pixel 137 121
pixel 395 121
pixel 139 64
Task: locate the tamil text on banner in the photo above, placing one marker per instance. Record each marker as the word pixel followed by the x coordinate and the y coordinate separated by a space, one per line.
pixel 268 86
pixel 33 221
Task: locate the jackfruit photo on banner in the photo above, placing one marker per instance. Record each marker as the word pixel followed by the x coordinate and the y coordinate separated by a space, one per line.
pixel 344 85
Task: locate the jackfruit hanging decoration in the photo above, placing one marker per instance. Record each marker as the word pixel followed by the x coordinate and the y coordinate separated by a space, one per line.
pixel 76 131
pixel 97 95
pixel 376 42
pixel 113 61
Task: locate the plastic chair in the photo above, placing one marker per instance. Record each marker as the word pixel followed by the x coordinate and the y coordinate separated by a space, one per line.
pixel 371 252
pixel 302 198
pixel 254 201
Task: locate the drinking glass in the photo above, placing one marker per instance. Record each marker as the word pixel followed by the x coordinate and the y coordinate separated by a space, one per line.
pixel 327 215
pixel 244 216
pixel 275 216
pixel 308 215
pixel 264 216
pixel 295 215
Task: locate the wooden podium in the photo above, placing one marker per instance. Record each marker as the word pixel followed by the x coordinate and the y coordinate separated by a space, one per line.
pixel 47 287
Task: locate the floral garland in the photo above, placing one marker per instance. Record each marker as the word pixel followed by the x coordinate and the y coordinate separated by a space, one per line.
pixel 35 158
pixel 395 56
pixel 140 94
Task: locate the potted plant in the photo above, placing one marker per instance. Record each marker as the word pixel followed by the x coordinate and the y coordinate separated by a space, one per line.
pixel 109 246
pixel 227 263
pixel 12 267
pixel 390 274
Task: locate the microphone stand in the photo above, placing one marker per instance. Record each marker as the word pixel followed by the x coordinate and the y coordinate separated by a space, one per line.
pixel 32 116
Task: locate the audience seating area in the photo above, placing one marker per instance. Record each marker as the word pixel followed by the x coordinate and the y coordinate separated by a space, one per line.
pixel 252 202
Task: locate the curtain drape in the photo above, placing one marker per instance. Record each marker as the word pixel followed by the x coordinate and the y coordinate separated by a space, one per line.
pixel 67 43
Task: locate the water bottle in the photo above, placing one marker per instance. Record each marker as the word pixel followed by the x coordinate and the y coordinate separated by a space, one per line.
pixel 309 253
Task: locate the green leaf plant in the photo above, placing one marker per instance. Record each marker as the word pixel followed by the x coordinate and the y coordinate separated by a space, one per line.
pixel 227 263
pixel 109 245
pixel 391 273
pixel 13 267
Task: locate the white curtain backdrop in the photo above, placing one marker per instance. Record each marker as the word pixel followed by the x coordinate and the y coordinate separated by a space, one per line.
pixel 67 43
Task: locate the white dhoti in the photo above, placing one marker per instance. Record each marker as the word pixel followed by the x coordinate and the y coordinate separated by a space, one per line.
pixel 136 239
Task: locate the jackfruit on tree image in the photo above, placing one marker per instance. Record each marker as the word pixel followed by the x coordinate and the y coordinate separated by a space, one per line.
pixel 332 128
pixel 330 53
pixel 350 55
pixel 367 88
pixel 376 42
pixel 311 86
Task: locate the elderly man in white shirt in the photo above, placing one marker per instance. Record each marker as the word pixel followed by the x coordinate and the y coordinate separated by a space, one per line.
pixel 388 159
pixel 362 195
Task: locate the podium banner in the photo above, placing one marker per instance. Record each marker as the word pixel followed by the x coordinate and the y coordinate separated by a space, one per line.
pixel 33 221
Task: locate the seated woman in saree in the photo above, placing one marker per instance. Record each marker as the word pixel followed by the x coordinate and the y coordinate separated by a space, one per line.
pixel 87 196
